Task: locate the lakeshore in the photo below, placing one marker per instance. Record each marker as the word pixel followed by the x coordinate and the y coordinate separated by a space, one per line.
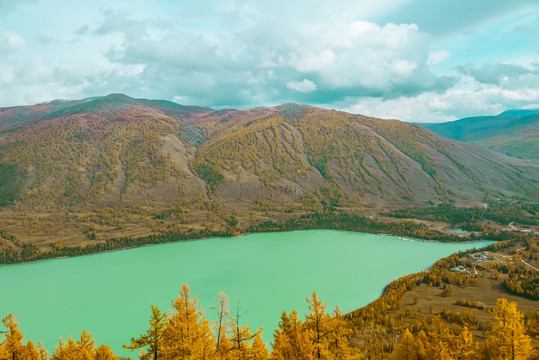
pixel 265 272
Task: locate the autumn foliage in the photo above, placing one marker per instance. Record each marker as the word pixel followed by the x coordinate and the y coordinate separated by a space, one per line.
pixel 184 333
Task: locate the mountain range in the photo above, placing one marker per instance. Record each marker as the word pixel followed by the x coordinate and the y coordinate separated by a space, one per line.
pixel 117 152
pixel 513 132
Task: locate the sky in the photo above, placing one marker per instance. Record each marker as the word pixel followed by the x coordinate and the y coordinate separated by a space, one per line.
pixel 414 60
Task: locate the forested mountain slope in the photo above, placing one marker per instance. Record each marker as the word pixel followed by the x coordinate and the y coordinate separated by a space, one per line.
pixel 141 156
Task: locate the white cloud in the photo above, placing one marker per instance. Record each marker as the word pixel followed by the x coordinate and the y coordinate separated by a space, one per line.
pixel 374 56
pixel 10 41
pixel 358 54
pixel 178 99
pixel 518 95
pixel 253 55
pixel 412 109
pixel 403 67
pixel 37 80
pixel 240 66
pixel 304 86
pixel 467 98
pixel 437 57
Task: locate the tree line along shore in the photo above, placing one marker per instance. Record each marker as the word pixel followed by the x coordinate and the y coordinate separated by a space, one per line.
pixel 329 218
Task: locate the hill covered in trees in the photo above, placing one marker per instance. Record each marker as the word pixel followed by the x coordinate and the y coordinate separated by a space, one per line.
pixel 82 171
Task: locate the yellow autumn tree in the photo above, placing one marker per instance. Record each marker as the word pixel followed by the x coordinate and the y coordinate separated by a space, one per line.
pixel 240 337
pixel 338 336
pixel 82 349
pixel 438 343
pixel 329 334
pixel 43 354
pixel 12 347
pixel 105 353
pixel 466 347
pixel 318 322
pixel 409 347
pixel 222 325
pixel 259 351
pixel 32 353
pixel 187 334
pixel 291 340
pixel 223 352
pixel 152 340
pixel 440 340
pixel 507 340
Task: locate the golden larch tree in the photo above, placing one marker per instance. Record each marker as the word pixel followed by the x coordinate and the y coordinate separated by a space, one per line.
pixel 240 337
pixel 187 334
pixel 318 322
pixel 82 349
pixel 329 334
pixel 105 353
pixel 222 323
pixel 31 353
pixel 12 347
pixel 338 336
pixel 466 347
pixel 43 354
pixel 153 338
pixel 440 340
pixel 409 347
pixel 291 340
pixel 507 340
pixel 259 351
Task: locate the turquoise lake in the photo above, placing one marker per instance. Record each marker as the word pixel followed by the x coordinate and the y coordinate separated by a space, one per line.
pixel 110 294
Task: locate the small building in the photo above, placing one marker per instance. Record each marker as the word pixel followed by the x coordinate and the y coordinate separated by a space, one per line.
pixel 459 268
pixel 479 256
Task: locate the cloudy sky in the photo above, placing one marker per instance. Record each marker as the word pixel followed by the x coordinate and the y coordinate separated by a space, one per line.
pixel 415 60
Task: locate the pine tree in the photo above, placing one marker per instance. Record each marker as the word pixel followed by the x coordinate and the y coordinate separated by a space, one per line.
pixel 11 347
pixel 291 340
pixel 507 340
pixel 43 354
pixel 65 350
pixel 153 337
pixel 86 345
pixel 409 347
pixel 338 337
pixel 223 320
pixel 318 322
pixel 329 334
pixel 83 349
pixel 187 335
pixel 31 352
pixel 466 347
pixel 240 337
pixel 441 340
pixel 225 347
pixel 105 353
pixel 259 351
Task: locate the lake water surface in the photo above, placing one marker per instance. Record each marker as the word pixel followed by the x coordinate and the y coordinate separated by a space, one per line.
pixel 110 294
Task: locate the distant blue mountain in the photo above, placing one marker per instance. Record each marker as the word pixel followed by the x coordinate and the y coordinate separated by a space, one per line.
pixel 514 132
